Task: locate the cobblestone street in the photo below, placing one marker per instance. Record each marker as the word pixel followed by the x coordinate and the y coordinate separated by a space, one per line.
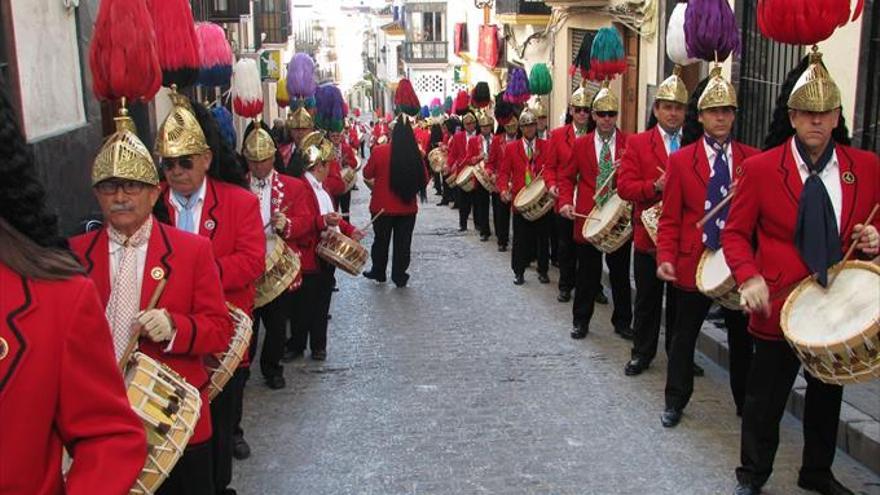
pixel 464 383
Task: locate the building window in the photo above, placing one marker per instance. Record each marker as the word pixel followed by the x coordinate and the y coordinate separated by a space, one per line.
pixel 426 26
pixel 577 35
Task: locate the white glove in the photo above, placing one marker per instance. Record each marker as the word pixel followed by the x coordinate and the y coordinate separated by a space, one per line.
pixel 755 296
pixel 156 324
pixel 567 211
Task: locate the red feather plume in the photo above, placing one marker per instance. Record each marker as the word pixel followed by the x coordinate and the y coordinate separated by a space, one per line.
pixel 461 103
pixel 123 57
pixel 804 22
pixel 405 99
pixel 177 41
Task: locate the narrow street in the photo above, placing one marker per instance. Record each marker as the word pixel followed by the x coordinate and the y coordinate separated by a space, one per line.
pixel 463 383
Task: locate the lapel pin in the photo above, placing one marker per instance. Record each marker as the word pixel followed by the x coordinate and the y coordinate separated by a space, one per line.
pixel 849 177
pixel 209 224
pixel 157 273
pixel 739 170
pixel 4 348
pixel 275 201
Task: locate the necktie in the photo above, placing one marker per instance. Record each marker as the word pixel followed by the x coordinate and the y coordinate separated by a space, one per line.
pixel 529 154
pixel 816 235
pixel 122 308
pixel 605 167
pixel 186 221
pixel 718 188
pixel 673 142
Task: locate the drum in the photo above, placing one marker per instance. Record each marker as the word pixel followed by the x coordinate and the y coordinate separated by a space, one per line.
pixel 450 180
pixel 613 226
pixel 342 252
pixel 349 177
pixel 534 200
pixel 651 220
pixel 466 179
pixel 484 177
pixel 222 366
pixel 282 269
pixel 835 331
pixel 715 280
pixel 169 408
pixel 437 160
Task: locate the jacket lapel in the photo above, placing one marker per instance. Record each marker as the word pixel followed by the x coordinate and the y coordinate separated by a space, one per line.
pixel 15 311
pixel 619 144
pixel 849 180
pixel 788 172
pixel 157 265
pixel 701 163
pixel 98 264
pixel 658 146
pixel 209 221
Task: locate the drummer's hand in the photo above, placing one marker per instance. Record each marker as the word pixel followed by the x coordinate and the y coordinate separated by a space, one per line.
pixel 554 191
pixel 332 219
pixel 660 183
pixel 755 296
pixel 505 196
pixel 279 221
pixel 666 272
pixel 866 238
pixel 567 211
pixel 357 234
pixel 156 324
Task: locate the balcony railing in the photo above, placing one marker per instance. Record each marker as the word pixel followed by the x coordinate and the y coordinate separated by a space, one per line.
pixel 220 10
pixel 521 7
pixel 425 51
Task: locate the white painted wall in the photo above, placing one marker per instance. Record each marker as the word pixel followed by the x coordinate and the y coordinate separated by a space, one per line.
pixel 841 56
pixel 47 58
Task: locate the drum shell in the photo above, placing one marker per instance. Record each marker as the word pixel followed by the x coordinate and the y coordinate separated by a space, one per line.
pixel 349 177
pixel 484 178
pixel 651 220
pixel 725 294
pixel 437 159
pixel 616 231
pixel 342 252
pixel 466 179
pixel 534 201
pixel 283 266
pixel 221 371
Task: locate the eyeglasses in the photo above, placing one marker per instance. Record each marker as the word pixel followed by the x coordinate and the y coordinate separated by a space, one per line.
pixel 185 162
pixel 606 114
pixel 111 187
pixel 580 110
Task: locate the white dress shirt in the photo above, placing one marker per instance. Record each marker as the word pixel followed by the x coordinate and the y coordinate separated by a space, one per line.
pixel 667 137
pixel 830 176
pixel 486 142
pixel 196 210
pixel 264 194
pixel 612 144
pixel 325 204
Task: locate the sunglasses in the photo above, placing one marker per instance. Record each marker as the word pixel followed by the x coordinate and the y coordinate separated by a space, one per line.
pixel 184 162
pixel 606 114
pixel 581 110
pixel 111 187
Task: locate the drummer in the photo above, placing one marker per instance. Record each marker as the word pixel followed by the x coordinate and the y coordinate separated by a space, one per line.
pixel 313 214
pixel 456 159
pixel 207 194
pixel 523 163
pixel 273 191
pixel 299 123
pixel 127 258
pixel 591 165
pixel 508 131
pixel 698 177
pixel 804 202
pixel 478 151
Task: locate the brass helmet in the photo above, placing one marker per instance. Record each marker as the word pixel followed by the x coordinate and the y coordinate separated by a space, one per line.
pixel 527 117
pixel 673 88
pixel 512 125
pixel 484 119
pixel 468 117
pixel 258 146
pixel 539 109
pixel 605 100
pixel 718 93
pixel 180 134
pixel 124 156
pixel 300 119
pixel 582 97
pixel 317 148
pixel 815 90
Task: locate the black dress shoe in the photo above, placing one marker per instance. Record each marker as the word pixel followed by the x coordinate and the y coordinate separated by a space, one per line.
pixel 825 484
pixel 554 263
pixel 443 203
pixel 564 296
pixel 543 278
pixel 291 355
pixel 746 489
pixel 636 366
pixel 625 332
pixel 484 237
pixel 240 448
pixel 375 276
pixel 518 280
pixel 580 332
pixel 670 418
pixel 698 370
pixel 319 355
pixel 600 297
pixel 502 248
pixel 401 281
pixel 276 382
pixel 462 229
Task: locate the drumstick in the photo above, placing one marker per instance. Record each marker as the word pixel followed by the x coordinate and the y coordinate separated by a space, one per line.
pixel 373 219
pixel 717 208
pixel 585 217
pixel 133 340
pixel 282 211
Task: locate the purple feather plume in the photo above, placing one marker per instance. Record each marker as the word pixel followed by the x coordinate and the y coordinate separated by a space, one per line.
pixel 517 91
pixel 710 26
pixel 301 76
pixel 331 108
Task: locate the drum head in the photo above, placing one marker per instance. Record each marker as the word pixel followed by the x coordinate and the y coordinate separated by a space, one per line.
pixel 815 316
pixel 530 193
pixel 714 270
pixel 606 215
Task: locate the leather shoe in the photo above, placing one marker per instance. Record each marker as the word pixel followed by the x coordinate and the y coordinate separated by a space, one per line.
pixel 636 366
pixel 443 203
pixel 698 370
pixel 319 355
pixel 564 296
pixel 502 248
pixel 600 297
pixel 276 382
pixel 580 332
pixel 625 332
pixel 484 237
pixel 825 484
pixel 543 278
pixel 290 355
pixel 374 276
pixel 401 281
pixel 746 489
pixel 462 229
pixel 519 280
pixel 670 418
pixel 240 448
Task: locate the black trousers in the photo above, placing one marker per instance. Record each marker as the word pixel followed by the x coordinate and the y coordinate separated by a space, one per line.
pixel 588 280
pixel 226 411
pixel 774 369
pixel 648 307
pixel 464 202
pixel 567 252
pixel 192 475
pixel 313 306
pixel 274 317
pixel 345 204
pixel 529 237
pixel 501 219
pixel 448 192
pixel 438 183
pixel 691 311
pixel 400 228
pixel 480 199
pixel 554 238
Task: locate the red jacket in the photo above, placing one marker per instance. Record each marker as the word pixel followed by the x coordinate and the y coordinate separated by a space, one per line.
pixel 231 220
pixel 348 157
pixel 679 240
pixel 379 168
pixel 645 152
pixel 559 148
pixel 333 184
pixel 193 297
pixel 457 151
pixel 60 386
pixel 582 170
pixel 765 206
pixel 512 175
pixel 475 150
pixel 308 223
pixel 496 153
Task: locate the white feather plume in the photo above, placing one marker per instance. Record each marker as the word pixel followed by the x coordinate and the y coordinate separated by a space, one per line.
pixel 676 45
pixel 246 84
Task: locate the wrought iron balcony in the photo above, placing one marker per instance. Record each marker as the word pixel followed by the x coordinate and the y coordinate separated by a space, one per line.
pixel 220 10
pixel 425 52
pixel 521 7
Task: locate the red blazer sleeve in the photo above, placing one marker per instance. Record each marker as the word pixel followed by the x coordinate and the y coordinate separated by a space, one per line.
pixel 207 329
pixel 307 221
pixel 502 182
pixel 551 162
pixel 346 228
pixel 631 185
pixel 348 156
pixel 494 155
pixel 333 184
pixel 474 150
pixel 567 174
pixel 669 228
pixel 247 261
pixel 456 151
pixel 94 417
pixel 739 229
pixel 370 169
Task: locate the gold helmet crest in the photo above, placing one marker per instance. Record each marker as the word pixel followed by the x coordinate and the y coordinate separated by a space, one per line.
pixel 815 90
pixel 180 134
pixel 124 156
pixel 718 93
pixel 258 146
pixel 673 88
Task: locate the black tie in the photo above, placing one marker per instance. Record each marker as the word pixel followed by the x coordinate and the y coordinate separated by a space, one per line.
pixel 816 235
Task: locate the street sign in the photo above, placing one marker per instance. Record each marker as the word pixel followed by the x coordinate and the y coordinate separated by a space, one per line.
pixel 270 65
